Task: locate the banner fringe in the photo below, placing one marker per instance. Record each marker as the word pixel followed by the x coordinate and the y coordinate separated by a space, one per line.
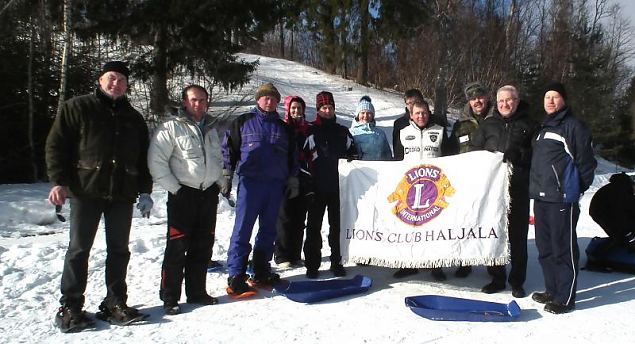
pixel 448 262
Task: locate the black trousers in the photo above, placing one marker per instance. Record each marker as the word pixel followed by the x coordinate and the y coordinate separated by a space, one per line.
pixel 558 252
pixel 518 226
pixel 313 242
pixel 190 237
pixel 84 220
pixel 290 229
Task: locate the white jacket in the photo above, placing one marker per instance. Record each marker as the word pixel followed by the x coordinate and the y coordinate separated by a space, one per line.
pixel 180 153
pixel 421 143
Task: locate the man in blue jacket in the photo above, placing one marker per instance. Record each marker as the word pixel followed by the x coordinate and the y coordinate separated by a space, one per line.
pixel 562 168
pixel 260 149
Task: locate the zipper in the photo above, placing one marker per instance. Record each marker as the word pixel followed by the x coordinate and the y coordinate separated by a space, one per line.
pixel 557 179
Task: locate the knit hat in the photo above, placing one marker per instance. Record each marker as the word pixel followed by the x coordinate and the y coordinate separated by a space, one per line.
pixel 324 98
pixel 475 89
pixel 267 90
pixel 364 104
pixel 558 87
pixel 115 66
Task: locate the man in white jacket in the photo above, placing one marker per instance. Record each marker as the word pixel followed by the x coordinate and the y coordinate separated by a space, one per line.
pixel 185 159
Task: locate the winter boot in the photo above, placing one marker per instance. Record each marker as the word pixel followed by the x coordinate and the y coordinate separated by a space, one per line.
pixel 119 314
pixel 338 270
pixel 171 308
pixel 266 280
pixel 493 287
pixel 203 299
pixel 558 308
pixel 543 297
pixel 237 287
pixel 72 319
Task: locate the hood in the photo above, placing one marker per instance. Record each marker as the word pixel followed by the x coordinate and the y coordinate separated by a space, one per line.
pixel 287 106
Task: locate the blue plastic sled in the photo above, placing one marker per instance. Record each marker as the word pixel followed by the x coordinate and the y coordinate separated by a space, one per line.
pixel 603 255
pixel 315 291
pixel 435 307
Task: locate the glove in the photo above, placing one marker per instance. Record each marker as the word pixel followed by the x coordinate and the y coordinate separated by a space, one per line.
pixel 511 155
pixel 293 187
pixel 145 204
pixel 225 183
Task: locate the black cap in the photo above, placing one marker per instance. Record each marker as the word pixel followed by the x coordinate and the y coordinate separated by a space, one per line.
pixel 116 66
pixel 558 87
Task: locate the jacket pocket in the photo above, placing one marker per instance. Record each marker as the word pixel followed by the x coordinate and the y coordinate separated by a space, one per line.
pixel 88 178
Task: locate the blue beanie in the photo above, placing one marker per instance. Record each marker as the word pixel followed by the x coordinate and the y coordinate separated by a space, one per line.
pixel 364 105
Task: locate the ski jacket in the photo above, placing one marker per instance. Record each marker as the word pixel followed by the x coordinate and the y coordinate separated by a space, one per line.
pixel 370 141
pixel 326 143
pixel 97 147
pixel 400 123
pixel 562 164
pixel 417 143
pixel 184 153
pixel 259 145
pixel 514 134
pixel 465 127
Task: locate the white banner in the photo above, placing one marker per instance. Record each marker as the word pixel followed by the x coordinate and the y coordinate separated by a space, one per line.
pixel 442 212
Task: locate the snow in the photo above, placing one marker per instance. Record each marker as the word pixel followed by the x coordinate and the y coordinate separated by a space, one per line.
pixel 33 244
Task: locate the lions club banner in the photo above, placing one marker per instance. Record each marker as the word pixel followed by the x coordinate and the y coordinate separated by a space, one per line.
pixel 441 212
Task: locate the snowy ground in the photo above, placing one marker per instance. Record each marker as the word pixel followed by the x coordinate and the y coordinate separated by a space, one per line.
pixel 33 243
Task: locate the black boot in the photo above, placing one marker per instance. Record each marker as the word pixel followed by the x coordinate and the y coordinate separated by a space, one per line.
pixel 543 297
pixel 72 319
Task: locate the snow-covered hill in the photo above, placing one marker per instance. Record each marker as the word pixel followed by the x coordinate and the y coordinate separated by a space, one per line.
pixel 33 243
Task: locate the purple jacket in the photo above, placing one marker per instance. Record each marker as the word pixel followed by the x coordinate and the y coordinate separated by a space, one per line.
pixel 257 145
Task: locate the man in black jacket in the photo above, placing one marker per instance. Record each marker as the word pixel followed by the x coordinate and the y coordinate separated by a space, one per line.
pixel 562 168
pixel 510 130
pixel 410 97
pixel 96 156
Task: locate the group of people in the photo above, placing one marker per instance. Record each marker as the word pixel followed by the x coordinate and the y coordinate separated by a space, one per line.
pixel 99 154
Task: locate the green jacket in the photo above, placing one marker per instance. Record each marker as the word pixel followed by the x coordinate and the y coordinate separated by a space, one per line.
pixel 97 147
pixel 464 129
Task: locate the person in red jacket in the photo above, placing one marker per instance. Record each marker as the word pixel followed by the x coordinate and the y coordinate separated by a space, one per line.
pixel 290 226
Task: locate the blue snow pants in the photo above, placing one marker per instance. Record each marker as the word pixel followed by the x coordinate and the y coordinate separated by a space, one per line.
pixel 256 199
pixel 558 252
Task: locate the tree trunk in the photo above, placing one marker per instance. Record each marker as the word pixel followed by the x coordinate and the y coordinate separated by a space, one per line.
pixel 282 37
pixel 362 64
pixel 292 47
pixel 159 90
pixel 31 114
pixel 65 52
pixel 440 88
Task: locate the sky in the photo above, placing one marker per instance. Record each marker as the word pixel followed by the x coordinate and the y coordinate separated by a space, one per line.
pixel 33 244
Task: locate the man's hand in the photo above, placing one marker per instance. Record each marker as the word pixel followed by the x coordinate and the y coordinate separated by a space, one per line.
pixel 145 205
pixel 57 195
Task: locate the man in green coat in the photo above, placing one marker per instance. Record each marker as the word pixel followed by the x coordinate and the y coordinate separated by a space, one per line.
pixel 96 156
pixel 477 108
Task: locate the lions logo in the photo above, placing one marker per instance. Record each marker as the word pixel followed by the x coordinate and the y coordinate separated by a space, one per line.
pixel 420 195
